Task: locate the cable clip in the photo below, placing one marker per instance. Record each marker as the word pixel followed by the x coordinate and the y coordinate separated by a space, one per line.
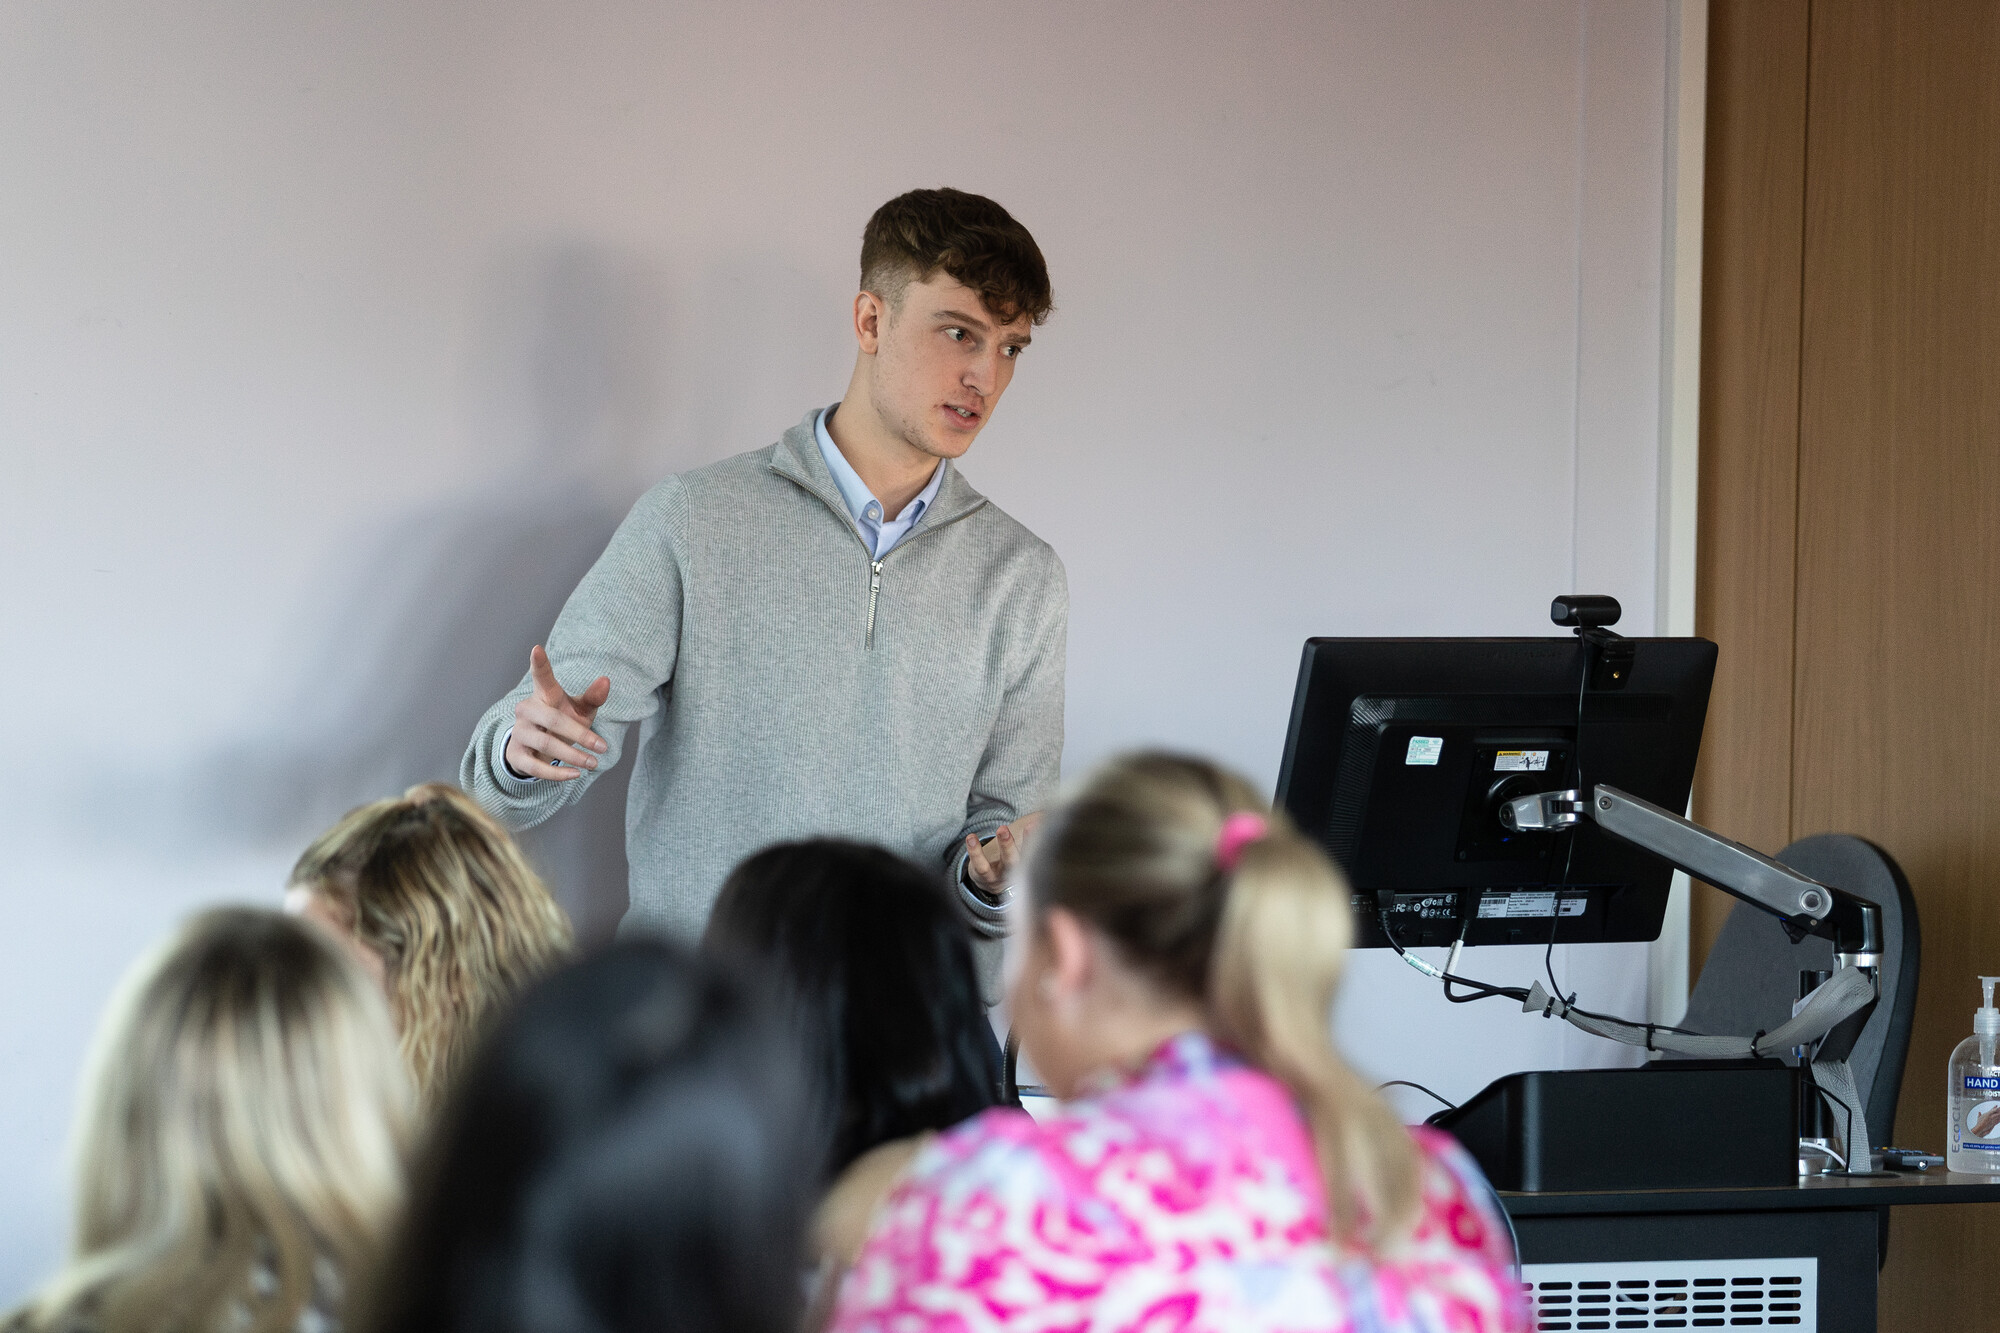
pixel 1552 1006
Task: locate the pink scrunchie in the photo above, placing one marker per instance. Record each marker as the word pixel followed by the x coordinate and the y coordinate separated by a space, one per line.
pixel 1238 831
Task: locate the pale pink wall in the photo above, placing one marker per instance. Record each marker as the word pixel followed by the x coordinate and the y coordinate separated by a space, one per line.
pixel 333 338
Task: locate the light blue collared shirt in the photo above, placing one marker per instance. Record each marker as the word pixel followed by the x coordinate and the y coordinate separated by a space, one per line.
pixel 880 535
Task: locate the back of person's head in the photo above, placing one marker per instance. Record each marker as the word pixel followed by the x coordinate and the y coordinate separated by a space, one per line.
pixel 241 1143
pixel 1214 897
pixel 440 893
pixel 869 957
pixel 625 1153
pixel 970 238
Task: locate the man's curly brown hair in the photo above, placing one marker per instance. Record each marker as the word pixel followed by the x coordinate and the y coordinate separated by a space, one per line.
pixel 968 236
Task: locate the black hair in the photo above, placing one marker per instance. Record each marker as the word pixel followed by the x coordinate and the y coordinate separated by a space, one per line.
pixel 871 959
pixel 625 1153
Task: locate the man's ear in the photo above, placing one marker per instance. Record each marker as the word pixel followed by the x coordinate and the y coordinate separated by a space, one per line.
pixel 871 316
pixel 1072 951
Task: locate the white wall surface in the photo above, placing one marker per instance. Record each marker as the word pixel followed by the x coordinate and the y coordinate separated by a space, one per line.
pixel 334 339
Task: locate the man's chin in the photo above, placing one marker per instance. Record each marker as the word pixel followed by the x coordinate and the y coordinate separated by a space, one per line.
pixel 942 444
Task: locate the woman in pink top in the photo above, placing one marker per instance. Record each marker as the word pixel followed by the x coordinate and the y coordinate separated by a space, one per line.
pixel 1216 1166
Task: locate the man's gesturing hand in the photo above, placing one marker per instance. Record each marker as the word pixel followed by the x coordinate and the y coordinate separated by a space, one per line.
pixel 990 865
pixel 552 727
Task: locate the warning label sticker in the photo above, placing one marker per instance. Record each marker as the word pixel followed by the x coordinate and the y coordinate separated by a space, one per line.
pixel 1507 905
pixel 1521 761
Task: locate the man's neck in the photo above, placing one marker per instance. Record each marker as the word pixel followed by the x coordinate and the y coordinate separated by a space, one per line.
pixel 893 471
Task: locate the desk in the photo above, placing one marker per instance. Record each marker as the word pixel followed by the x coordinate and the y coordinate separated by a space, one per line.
pixel 1658 1243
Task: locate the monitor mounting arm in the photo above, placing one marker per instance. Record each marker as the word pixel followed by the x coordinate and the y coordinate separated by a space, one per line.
pixel 1803 905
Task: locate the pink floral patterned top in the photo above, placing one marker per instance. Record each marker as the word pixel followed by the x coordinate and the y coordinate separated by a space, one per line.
pixel 1185 1198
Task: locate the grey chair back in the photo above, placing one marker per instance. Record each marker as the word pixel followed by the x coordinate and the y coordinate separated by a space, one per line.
pixel 1752 974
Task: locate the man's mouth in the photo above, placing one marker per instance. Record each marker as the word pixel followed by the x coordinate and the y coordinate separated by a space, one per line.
pixel 963 413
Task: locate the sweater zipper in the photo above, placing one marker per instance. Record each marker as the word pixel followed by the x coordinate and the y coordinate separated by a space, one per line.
pixel 874 565
pixel 875 569
pixel 874 594
pixel 875 573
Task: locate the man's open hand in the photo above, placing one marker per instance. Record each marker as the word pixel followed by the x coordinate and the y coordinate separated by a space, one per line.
pixel 552 737
pixel 990 866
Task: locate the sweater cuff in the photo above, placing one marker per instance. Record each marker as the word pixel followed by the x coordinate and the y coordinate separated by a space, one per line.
pixel 514 784
pixel 987 915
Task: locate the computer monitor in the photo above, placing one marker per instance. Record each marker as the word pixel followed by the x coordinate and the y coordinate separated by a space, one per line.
pixel 1400 752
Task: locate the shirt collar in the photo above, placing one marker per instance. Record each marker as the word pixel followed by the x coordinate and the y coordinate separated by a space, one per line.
pixel 854 491
pixel 1187 1055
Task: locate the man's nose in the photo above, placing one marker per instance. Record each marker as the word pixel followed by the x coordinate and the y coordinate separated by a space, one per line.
pixel 982 374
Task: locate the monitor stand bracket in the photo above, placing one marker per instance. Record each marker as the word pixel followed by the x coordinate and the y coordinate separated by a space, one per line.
pixel 1803 905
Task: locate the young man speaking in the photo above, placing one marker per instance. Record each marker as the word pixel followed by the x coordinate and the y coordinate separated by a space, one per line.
pixel 832 635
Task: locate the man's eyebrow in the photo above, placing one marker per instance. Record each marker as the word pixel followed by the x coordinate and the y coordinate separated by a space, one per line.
pixel 959 317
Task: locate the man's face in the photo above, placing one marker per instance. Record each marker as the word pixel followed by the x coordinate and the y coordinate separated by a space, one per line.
pixel 942 360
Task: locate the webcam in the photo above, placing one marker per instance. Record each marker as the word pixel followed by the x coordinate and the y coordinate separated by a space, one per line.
pixel 1582 611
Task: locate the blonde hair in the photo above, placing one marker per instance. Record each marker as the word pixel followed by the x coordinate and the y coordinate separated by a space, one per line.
pixel 444 896
pixel 244 1126
pixel 1260 945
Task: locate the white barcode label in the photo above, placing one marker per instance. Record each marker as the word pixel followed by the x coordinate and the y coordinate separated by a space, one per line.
pixel 1530 905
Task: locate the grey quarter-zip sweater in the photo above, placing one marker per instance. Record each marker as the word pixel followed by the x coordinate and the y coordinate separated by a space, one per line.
pixel 788 685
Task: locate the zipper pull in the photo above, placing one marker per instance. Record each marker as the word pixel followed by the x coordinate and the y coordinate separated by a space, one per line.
pixel 874 593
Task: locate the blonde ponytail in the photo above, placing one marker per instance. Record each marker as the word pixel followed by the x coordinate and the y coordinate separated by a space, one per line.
pixel 1259 934
pixel 1278 956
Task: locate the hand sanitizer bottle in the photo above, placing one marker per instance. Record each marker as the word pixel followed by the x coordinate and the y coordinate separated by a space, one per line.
pixel 1972 1140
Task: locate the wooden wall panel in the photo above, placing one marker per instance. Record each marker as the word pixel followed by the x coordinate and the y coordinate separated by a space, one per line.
pixel 1755 198
pixel 1897 733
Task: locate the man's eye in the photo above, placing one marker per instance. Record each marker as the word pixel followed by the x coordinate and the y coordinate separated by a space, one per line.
pixel 956 335
pixel 1013 351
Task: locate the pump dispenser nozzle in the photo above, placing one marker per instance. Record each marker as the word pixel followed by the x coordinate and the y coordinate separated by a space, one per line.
pixel 1986 1022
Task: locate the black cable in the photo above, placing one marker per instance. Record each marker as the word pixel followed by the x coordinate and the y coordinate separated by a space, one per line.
pixel 1485 991
pixel 1576 746
pixel 1405 1083
pixel 1481 990
pixel 1569 856
pixel 1569 835
pixel 1650 1027
pixel 1549 954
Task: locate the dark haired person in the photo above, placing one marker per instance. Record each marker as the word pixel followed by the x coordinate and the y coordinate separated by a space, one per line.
pixel 834 635
pixel 872 964
pixel 624 1155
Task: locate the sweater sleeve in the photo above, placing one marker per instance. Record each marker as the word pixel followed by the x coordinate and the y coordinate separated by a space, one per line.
pixel 1022 763
pixel 623 621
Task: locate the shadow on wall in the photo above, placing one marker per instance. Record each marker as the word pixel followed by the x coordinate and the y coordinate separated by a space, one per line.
pixel 437 608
